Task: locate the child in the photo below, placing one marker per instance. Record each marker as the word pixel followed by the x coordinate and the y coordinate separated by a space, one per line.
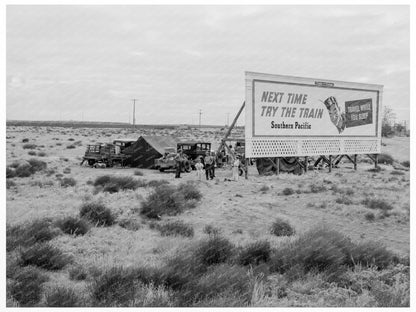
pixel 199 169
pixel 236 164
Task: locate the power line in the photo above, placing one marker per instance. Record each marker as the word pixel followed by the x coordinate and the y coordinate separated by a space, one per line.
pixel 200 113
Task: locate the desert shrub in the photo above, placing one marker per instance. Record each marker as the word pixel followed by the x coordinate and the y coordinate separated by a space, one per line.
pixel 211 230
pixel 10 183
pixel 102 180
pixel 376 169
pixel 114 287
pixel 26 287
pixel 156 183
pixel 10 173
pixel 179 270
pixel 37 165
pixel 281 227
pixel 175 228
pixel 317 188
pixel 65 182
pixel 189 191
pixel 214 250
pixel 61 297
pixel 129 224
pixel 376 203
pixel 25 140
pixel 254 253
pixel 71 139
pixel 113 184
pixel 97 214
pixel 77 273
pixel 44 256
pixel 385 159
pixel 29 146
pixel 219 280
pixel 397 172
pixel 264 188
pixel 369 216
pixel 344 200
pixel 41 154
pixel 138 172
pixel 405 163
pixel 66 170
pixel 162 200
pixel 288 191
pixel 73 226
pixel 318 249
pixel 37 231
pixel 31 153
pixel 372 254
pixel 71 146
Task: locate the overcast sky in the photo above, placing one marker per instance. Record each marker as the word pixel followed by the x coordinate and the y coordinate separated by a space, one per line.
pixel 88 62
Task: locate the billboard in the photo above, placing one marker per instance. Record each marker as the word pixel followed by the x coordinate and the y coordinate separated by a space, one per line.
pixel 294 116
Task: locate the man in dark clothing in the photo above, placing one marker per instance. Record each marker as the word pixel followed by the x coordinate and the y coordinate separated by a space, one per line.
pixel 209 163
pixel 179 162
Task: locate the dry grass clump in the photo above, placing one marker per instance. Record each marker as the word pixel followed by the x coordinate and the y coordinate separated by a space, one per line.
pixel 97 214
pixel 397 172
pixel 214 250
pixel 156 183
pixel 71 146
pixel 211 230
pixel 114 184
pixel 114 287
pixel 61 297
pixel 281 227
pixel 405 163
pixel 31 153
pixel 37 231
pixel 24 169
pixel 189 191
pixel 66 182
pixel 254 253
pixel 345 200
pixel 129 224
pixel 44 256
pixel 288 191
pixel 223 280
pixel 325 250
pixel 77 273
pixel 174 228
pixel 376 203
pixel 29 146
pixel 314 188
pixel 169 200
pixel 369 216
pixel 26 286
pixel 73 226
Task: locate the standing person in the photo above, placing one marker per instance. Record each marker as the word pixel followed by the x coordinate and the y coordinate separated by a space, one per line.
pixel 199 169
pixel 179 161
pixel 214 164
pixel 236 164
pixel 208 165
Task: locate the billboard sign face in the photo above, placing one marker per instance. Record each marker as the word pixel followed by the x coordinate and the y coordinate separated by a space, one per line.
pixel 293 116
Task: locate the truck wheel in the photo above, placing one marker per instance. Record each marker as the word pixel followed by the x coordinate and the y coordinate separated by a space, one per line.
pixel 91 162
pixel 162 169
pixel 240 172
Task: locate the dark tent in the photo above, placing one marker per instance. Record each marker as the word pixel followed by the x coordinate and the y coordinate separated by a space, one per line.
pixel 146 149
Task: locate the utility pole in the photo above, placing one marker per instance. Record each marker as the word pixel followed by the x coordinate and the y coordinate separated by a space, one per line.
pixel 134 112
pixel 200 113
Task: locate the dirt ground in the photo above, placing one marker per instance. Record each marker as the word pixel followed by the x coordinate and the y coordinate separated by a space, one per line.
pixel 243 210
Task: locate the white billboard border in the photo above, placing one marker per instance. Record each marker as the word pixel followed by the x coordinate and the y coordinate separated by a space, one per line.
pixel 330 84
